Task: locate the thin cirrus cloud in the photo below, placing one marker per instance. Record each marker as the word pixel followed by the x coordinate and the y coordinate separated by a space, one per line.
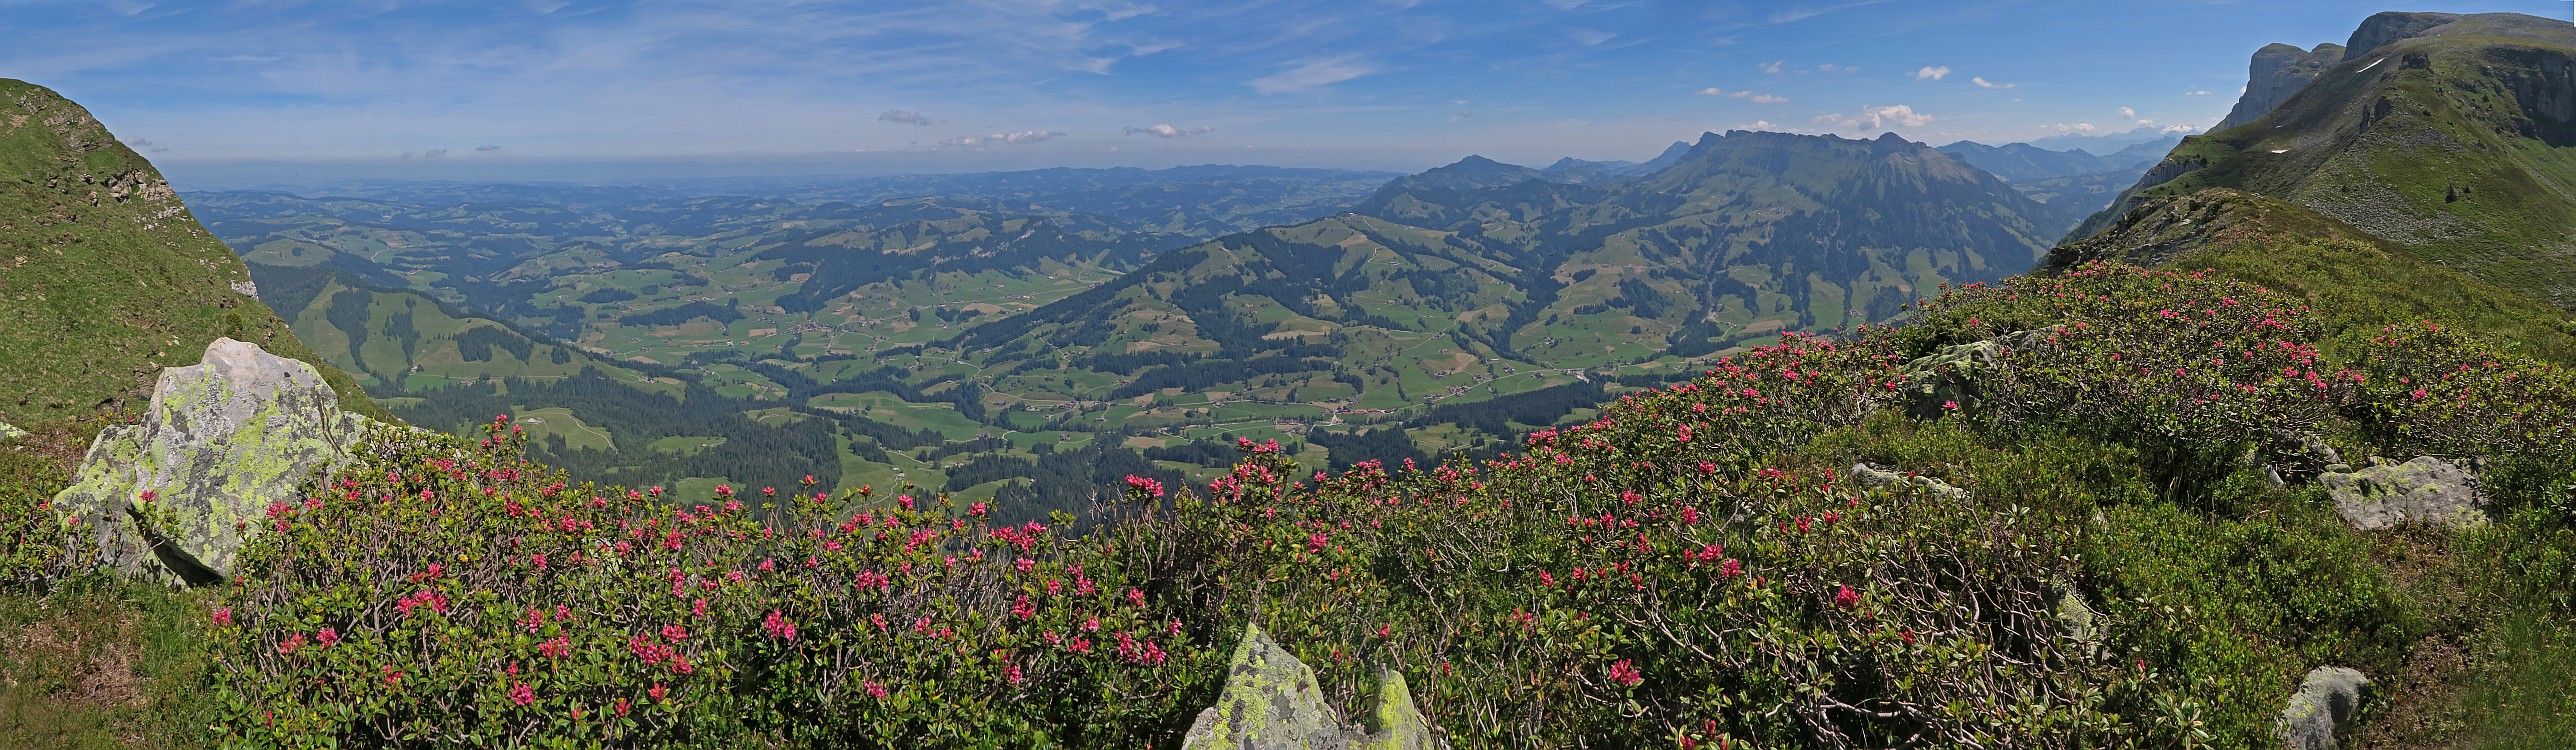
pixel 1740 94
pixel 1167 130
pixel 999 139
pixel 1986 84
pixel 1313 74
pixel 904 116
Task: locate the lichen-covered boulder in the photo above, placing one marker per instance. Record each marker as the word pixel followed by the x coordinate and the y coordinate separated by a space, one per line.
pixel 1872 476
pixel 1396 724
pixel 1271 702
pixel 2329 697
pixel 175 496
pixel 8 433
pixel 1952 378
pixel 2424 490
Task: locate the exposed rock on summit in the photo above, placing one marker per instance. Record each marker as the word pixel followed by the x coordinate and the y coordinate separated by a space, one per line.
pixel 176 496
pixel 2278 71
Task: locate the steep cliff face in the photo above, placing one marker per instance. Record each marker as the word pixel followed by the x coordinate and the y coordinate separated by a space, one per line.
pixel 2278 71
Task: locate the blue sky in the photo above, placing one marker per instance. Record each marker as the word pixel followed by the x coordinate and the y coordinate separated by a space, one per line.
pixel 399 88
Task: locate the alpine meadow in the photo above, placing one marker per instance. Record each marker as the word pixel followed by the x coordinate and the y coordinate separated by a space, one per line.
pixel 1290 375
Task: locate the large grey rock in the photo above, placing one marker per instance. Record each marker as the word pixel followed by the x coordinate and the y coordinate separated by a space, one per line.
pixel 2425 490
pixel 1872 476
pixel 8 433
pixel 224 439
pixel 2328 699
pixel 1271 702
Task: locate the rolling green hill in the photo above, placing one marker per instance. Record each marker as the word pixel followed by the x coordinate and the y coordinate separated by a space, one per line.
pixel 2451 136
pixel 105 276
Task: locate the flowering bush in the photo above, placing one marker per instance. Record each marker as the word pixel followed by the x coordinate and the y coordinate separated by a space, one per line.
pixel 444 593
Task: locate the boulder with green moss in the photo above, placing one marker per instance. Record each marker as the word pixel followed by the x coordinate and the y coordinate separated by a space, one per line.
pixel 8 433
pixel 1272 702
pixel 175 496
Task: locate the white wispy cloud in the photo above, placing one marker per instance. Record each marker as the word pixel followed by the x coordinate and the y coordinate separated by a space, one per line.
pixel 1590 37
pixel 1877 118
pixel 1710 91
pixel 1774 67
pixel 997 139
pixel 1314 74
pixel 1932 73
pixel 905 116
pixel 2128 113
pixel 1167 130
pixel 1986 84
pixel 1740 94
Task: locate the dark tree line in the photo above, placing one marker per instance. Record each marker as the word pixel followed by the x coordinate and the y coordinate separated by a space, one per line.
pixel 728 312
pixel 751 452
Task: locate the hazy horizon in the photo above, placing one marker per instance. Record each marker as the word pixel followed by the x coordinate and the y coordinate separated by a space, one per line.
pixel 236 95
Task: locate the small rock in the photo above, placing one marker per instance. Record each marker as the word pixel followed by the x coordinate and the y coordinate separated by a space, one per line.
pixel 224 438
pixel 2424 490
pixel 8 433
pixel 1872 476
pixel 1271 702
pixel 2080 622
pixel 2328 698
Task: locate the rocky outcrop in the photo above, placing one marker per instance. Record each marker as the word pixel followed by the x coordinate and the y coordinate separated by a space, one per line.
pixel 1872 476
pixel 1271 702
pixel 2278 71
pixel 176 496
pixel 2328 699
pixel 2424 490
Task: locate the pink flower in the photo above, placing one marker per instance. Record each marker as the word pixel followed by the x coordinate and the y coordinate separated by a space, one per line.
pixel 327 637
pixel 1950 405
pixel 875 690
pixel 657 692
pixel 522 694
pixel 1625 674
pixel 778 627
pixel 224 616
pixel 1845 597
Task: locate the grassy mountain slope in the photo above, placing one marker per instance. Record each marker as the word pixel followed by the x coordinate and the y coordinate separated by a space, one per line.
pixel 2452 136
pixel 2359 282
pixel 105 277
